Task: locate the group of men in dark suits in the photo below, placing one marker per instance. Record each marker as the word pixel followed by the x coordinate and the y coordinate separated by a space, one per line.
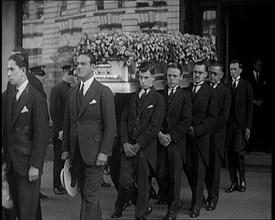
pixel 160 133
pixel 192 137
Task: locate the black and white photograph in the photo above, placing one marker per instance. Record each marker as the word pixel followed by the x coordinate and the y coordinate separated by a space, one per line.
pixel 137 109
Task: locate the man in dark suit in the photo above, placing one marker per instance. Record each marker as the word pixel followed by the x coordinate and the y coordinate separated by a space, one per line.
pixel 172 140
pixel 26 139
pixel 58 99
pixel 217 138
pixel 204 111
pixel 258 82
pixel 88 133
pixel 238 126
pixel 140 122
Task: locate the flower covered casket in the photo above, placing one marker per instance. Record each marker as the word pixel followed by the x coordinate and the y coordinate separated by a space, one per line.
pixel 118 55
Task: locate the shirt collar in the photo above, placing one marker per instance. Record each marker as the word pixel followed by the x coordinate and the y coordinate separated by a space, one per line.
pixel 22 87
pixel 237 79
pixel 87 84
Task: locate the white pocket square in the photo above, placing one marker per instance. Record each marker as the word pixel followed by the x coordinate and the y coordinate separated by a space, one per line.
pixel 150 106
pixel 24 109
pixel 93 102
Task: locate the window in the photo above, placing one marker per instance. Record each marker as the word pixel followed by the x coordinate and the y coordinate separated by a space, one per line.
pixel 209 25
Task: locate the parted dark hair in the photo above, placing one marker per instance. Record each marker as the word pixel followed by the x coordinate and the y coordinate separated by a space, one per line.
pixel 175 65
pixel 202 63
pixel 90 55
pixel 217 64
pixel 236 61
pixel 147 65
pixel 20 60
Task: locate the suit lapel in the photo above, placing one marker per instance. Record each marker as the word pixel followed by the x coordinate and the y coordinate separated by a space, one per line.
pixel 147 99
pixel 200 94
pixel 91 92
pixel 174 101
pixel 23 100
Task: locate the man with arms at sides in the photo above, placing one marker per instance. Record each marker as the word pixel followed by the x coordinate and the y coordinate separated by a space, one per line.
pixel 217 136
pixel 26 139
pixel 141 120
pixel 204 111
pixel 88 133
pixel 172 140
pixel 58 99
pixel 258 81
pixel 239 125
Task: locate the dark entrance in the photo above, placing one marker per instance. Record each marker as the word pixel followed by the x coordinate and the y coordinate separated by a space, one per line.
pixel 249 35
pixel 250 28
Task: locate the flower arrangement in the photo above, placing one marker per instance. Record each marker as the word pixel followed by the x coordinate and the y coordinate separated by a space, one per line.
pixel 134 47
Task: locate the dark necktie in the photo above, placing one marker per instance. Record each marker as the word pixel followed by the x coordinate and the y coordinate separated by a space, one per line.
pixel 14 101
pixel 234 84
pixel 81 94
pixel 170 95
pixel 142 93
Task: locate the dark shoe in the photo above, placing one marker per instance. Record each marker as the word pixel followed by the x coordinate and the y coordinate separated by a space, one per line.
pixel 211 207
pixel 242 187
pixel 153 195
pixel 195 213
pixel 104 184
pixel 117 213
pixel 160 201
pixel 150 209
pixel 42 196
pixel 232 188
pixel 205 202
pixel 169 218
pixel 58 191
pixel 127 204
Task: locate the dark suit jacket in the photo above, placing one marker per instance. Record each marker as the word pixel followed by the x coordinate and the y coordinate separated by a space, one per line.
pixel 36 83
pixel 217 130
pixel 177 118
pixel 243 102
pixel 204 112
pixel 94 125
pixel 58 100
pixel 145 125
pixel 27 131
pixel 259 88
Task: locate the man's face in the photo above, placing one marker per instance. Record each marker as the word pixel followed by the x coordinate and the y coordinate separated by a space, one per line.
pixel 258 66
pixel 84 68
pixel 215 74
pixel 173 77
pixel 146 79
pixel 199 73
pixel 15 74
pixel 235 70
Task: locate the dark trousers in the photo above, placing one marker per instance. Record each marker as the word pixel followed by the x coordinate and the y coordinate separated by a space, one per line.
pixel 212 181
pixel 196 168
pixel 25 195
pixel 135 180
pixel 114 165
pixel 89 179
pixel 168 175
pixel 58 163
pixel 235 144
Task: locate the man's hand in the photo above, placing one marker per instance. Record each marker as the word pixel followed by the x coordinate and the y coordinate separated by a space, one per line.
pixel 164 139
pixel 128 149
pixel 136 147
pixel 247 134
pixel 101 159
pixel 191 133
pixel 65 155
pixel 33 174
pixel 60 135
